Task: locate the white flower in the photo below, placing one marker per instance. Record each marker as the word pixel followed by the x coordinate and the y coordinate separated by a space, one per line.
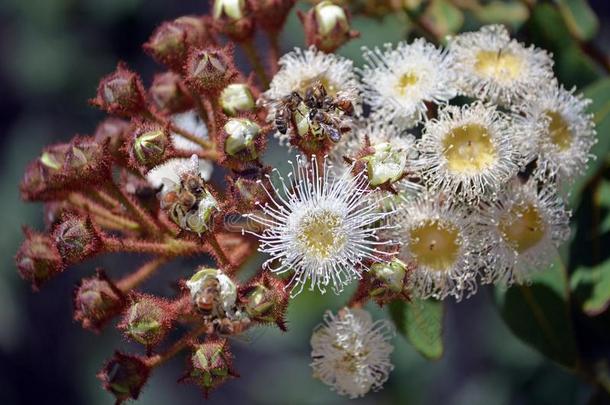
pixel 398 82
pixel 469 152
pixel 441 241
pixel 560 132
pixel 493 67
pixel 302 68
pixel 522 230
pixel 189 121
pixel 320 227
pixel 171 170
pixel 351 353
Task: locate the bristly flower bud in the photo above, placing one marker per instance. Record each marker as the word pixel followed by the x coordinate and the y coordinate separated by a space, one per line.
pixel 96 301
pixel 124 376
pixel 241 138
pixel 384 283
pixel 113 131
pixel 384 164
pixel 233 18
pixel 210 365
pixel 121 92
pixel 236 98
pixel 209 70
pixel 169 93
pixel 38 259
pixel 172 40
pixel 76 238
pixel 327 26
pixel 150 145
pixel 266 300
pixel 147 320
pixel 271 14
pixel 247 188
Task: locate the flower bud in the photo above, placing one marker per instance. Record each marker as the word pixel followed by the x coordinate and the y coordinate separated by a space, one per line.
pixel 247 190
pixel 391 275
pixel 121 92
pixel 208 70
pixel 113 131
pixel 236 98
pixel 265 300
pixel 169 94
pixel 233 18
pixel 147 320
pixel 38 260
pixel 271 14
pixel 327 26
pixel 124 376
pixel 87 160
pixel 172 40
pixel 385 164
pixel 210 365
pixel 241 136
pixel 96 301
pixel 212 292
pixel 76 238
pixel 150 145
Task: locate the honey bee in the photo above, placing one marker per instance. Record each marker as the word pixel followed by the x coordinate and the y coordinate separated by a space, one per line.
pixel 286 108
pixel 344 105
pixel 316 96
pixel 208 298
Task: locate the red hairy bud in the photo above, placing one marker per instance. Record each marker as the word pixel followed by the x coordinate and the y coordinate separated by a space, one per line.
pixel 210 69
pixel 234 19
pixel 265 300
pixel 38 260
pixel 271 14
pixel 150 145
pixel 113 131
pixel 247 188
pixel 76 238
pixel 124 376
pixel 172 40
pixel 147 320
pixel 169 93
pixel 96 301
pixel 121 92
pixel 327 26
pixel 210 365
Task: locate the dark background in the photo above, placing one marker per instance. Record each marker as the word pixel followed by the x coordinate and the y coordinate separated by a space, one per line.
pixel 52 54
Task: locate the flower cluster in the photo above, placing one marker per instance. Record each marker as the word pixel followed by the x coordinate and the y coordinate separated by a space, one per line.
pixel 399 186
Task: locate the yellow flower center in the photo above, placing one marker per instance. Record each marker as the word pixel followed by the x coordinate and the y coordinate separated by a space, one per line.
pixel 522 227
pixel 502 66
pixel 559 130
pixel 435 244
pixel 468 149
pixel 329 85
pixel 405 81
pixel 321 234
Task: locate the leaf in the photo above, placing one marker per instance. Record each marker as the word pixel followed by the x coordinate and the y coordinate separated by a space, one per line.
pixel 580 19
pixel 592 286
pixel 599 93
pixel 500 12
pixel 421 322
pixel 444 17
pixel 538 314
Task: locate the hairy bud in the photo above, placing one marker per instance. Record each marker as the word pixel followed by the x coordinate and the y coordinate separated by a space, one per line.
pixel 236 98
pixel 233 18
pixel 327 26
pixel 384 164
pixel 147 320
pixel 247 188
pixel 124 376
pixel 76 238
pixel 38 259
pixel 150 146
pixel 209 70
pixel 172 40
pixel 96 301
pixel 266 300
pixel 241 137
pixel 112 131
pixel 271 14
pixel 210 365
pixel 121 92
pixel 169 94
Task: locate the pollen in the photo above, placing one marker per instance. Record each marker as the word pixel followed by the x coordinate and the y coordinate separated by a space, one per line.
pixel 435 244
pixel 329 85
pixel 522 227
pixel 469 149
pixel 406 81
pixel 559 130
pixel 501 66
pixel 321 233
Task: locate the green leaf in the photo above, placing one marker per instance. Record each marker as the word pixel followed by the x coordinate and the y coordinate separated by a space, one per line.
pixel 538 314
pixel 592 286
pixel 599 93
pixel 500 12
pixel 580 19
pixel 421 322
pixel 444 17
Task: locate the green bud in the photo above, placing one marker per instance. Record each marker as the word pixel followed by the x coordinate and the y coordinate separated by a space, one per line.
pixel 391 274
pixel 150 146
pixel 236 98
pixel 386 164
pixel 234 9
pixel 242 134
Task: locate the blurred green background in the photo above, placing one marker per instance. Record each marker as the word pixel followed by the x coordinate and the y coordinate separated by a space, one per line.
pixel 53 53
